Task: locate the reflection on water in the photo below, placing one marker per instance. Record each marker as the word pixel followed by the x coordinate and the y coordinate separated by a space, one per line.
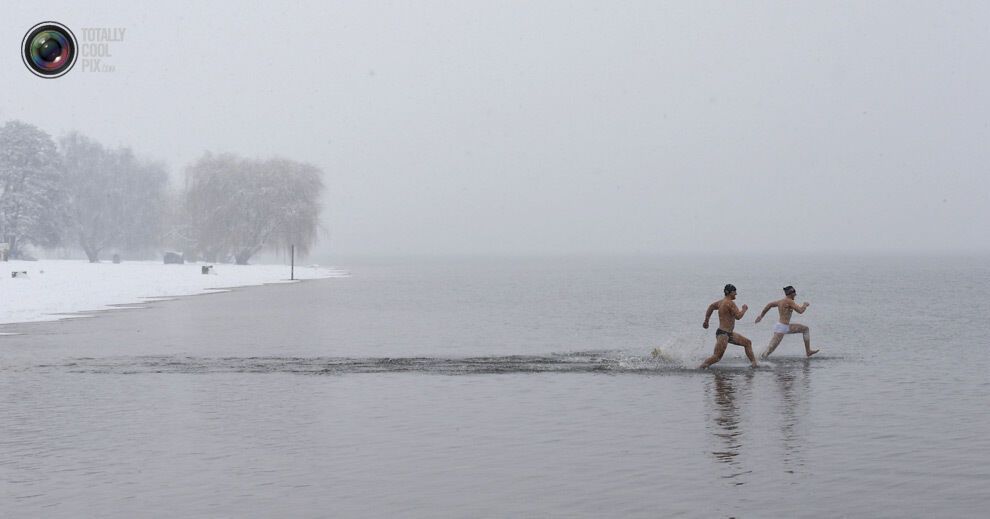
pixel 726 389
pixel 794 387
pixel 733 396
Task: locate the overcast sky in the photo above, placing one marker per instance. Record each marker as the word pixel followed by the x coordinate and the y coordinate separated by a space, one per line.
pixel 559 127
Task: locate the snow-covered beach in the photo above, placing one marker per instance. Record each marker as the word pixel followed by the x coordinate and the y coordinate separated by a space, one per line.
pixel 56 289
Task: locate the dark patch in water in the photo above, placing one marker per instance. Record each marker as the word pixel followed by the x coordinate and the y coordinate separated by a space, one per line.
pixel 604 362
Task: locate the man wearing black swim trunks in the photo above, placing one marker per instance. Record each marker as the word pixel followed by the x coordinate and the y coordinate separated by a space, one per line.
pixel 728 314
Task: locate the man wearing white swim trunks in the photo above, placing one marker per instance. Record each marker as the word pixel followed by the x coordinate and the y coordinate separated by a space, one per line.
pixel 786 307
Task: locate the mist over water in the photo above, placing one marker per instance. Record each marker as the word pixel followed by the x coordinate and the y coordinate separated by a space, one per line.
pixel 512 387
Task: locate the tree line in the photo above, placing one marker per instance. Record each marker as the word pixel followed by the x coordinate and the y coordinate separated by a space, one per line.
pixel 76 192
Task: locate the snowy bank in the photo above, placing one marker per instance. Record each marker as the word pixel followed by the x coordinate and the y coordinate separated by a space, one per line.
pixel 53 288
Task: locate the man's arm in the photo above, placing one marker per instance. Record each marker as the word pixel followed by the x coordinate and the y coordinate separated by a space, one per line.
pixel 766 309
pixel 800 308
pixel 708 315
pixel 739 313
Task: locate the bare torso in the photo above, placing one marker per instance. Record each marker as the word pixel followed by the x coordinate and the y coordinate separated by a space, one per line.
pixel 786 308
pixel 727 310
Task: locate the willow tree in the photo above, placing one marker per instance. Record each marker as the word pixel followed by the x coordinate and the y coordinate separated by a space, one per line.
pixel 238 207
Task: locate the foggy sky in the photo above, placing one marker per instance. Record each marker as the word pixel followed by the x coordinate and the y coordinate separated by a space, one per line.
pixel 559 127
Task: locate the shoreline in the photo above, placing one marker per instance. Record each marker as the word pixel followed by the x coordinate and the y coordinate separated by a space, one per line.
pixel 5 328
pixel 56 290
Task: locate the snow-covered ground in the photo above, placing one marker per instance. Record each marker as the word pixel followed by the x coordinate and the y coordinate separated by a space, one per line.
pixel 53 288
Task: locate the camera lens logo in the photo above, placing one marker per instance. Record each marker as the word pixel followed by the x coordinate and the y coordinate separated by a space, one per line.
pixel 49 49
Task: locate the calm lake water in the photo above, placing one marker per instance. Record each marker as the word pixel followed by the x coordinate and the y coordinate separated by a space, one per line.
pixel 512 388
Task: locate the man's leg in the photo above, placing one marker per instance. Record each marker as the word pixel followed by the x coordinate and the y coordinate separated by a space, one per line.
pixel 747 345
pixel 774 342
pixel 721 342
pixel 806 332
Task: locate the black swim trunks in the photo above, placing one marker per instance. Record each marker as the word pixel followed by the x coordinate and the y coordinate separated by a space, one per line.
pixel 722 332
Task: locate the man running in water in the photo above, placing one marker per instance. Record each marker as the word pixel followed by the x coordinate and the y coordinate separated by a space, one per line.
pixel 786 307
pixel 728 314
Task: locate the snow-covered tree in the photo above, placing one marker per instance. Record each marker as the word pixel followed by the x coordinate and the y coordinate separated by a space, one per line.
pixel 114 199
pixel 143 192
pixel 31 209
pixel 239 207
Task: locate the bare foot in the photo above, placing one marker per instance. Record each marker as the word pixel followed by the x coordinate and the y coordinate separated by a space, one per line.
pixel 812 352
pixel 755 365
pixel 764 356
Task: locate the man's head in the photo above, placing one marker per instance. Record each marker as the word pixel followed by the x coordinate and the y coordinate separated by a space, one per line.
pixel 790 292
pixel 730 291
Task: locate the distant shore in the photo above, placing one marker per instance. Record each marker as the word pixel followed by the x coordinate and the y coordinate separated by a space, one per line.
pixel 57 289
